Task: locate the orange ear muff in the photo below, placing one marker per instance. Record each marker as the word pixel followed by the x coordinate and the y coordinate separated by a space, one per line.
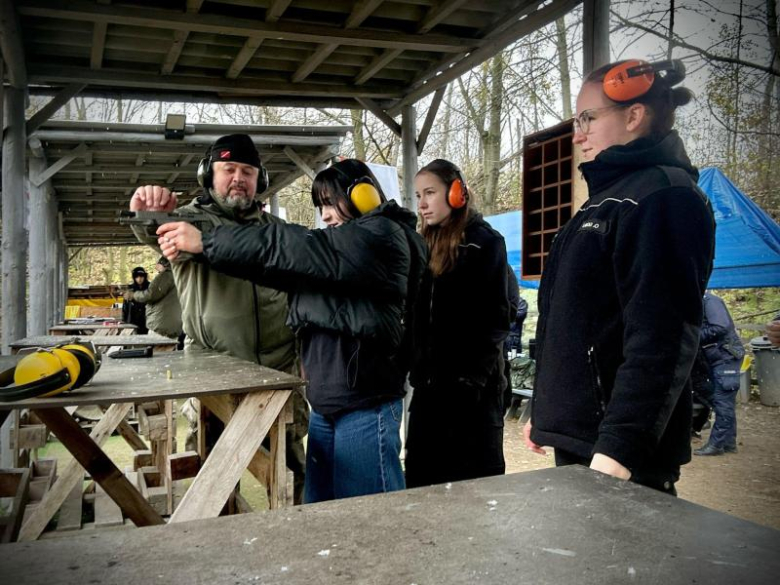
pixel 457 194
pixel 634 78
pixel 629 80
pixel 364 195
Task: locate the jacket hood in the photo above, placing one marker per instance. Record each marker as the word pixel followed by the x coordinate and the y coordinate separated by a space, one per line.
pixel 648 151
pixel 391 210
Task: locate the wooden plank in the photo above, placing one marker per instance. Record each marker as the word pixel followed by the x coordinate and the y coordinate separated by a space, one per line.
pixel 383 116
pixel 299 162
pixel 99 466
pixel 107 513
pixel 243 57
pixel 131 437
pixel 13 484
pixel 98 44
pixel 377 64
pixel 183 465
pixel 279 496
pixel 321 53
pixel 142 458
pixel 179 38
pixel 276 10
pixel 40 179
pixel 29 437
pixel 47 111
pixel 430 117
pixel 230 456
pixel 70 511
pixel 72 475
pixel 437 14
pixel 361 11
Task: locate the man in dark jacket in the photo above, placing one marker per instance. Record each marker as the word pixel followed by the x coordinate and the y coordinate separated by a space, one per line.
pixel 724 352
pixel 221 312
pixel 163 310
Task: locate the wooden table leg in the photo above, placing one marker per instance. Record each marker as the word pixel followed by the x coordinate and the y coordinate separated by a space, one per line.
pixel 235 448
pixel 100 467
pixel 71 476
pixel 279 495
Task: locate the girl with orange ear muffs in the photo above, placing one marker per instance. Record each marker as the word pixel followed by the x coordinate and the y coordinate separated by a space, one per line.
pixel 620 300
pixel 461 320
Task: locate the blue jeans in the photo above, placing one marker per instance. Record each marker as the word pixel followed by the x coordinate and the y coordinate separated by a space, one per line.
pixel 724 399
pixel 354 454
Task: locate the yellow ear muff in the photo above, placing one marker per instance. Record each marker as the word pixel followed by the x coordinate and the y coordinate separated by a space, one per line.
pixel 46 365
pixel 88 364
pixel 365 197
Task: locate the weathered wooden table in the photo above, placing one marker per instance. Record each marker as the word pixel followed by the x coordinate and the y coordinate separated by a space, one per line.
pixel 85 329
pixel 250 399
pixel 100 341
pixel 554 526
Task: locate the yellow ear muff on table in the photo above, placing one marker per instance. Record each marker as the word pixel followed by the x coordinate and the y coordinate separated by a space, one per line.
pixel 88 360
pixel 51 371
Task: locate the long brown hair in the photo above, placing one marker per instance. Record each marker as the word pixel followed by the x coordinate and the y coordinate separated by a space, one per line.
pixel 443 240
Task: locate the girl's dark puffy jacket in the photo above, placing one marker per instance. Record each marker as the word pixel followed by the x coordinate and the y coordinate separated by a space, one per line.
pixel 620 310
pixel 350 290
pixel 462 317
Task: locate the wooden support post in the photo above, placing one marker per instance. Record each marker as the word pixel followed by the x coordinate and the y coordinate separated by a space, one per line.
pixel 14 241
pixel 13 484
pixel 595 35
pixel 430 117
pixel 409 151
pixel 37 317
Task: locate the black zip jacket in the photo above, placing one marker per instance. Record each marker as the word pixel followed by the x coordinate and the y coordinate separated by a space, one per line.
pixel 463 316
pixel 620 310
pixel 350 289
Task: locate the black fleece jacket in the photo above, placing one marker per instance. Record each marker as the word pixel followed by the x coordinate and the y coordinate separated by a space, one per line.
pixel 351 290
pixel 620 310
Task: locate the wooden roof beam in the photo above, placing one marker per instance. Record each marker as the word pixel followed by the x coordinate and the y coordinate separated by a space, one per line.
pixel 315 60
pixel 360 12
pixel 379 62
pixel 438 13
pixel 383 116
pixel 47 111
pixel 80 10
pixel 299 162
pixel 275 11
pixel 179 39
pixel 243 57
pixel 98 45
pixel 41 178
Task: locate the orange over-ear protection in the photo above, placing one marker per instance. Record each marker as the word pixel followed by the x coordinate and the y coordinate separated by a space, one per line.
pixel 364 195
pixel 634 78
pixel 458 193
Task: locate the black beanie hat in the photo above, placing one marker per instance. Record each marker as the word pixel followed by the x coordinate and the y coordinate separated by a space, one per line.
pixel 139 271
pixel 236 148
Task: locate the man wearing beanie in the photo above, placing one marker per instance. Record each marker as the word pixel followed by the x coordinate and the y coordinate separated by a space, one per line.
pixel 221 312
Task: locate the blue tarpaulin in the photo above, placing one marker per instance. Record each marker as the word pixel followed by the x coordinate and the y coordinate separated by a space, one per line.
pixel 510 225
pixel 747 240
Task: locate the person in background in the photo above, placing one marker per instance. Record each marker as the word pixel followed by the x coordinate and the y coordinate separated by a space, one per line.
pixel 456 418
pixel 724 352
pixel 163 311
pixel 620 300
pixel 134 312
pixel 351 287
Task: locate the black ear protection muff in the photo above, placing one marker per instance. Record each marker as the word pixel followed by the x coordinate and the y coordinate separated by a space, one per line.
pixel 458 193
pixel 46 372
pixel 634 78
pixel 364 195
pixel 205 174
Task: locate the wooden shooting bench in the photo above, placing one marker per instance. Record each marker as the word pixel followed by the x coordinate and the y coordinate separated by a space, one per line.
pixel 158 342
pixel 250 399
pixel 89 328
pixel 553 526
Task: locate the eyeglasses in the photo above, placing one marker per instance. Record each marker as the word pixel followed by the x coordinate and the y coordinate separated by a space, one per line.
pixel 585 117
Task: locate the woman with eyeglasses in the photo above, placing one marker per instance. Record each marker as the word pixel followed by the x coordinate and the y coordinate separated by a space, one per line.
pixel 462 319
pixel 351 287
pixel 620 299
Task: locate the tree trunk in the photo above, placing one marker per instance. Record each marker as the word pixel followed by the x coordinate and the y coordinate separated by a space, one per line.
pixel 357 134
pixel 563 65
pixel 492 136
pixel 765 150
pixel 445 125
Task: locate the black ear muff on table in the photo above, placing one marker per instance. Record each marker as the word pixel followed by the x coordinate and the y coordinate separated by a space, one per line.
pixel 45 372
pixel 634 78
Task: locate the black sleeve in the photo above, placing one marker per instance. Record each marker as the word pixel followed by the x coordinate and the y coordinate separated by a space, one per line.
pixel 513 293
pixel 662 261
pixel 349 259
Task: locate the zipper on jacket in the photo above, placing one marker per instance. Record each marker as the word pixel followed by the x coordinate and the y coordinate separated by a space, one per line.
pixel 257 322
pixel 596 376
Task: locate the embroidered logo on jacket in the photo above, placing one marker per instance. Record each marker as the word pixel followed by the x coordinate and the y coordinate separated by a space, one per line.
pixel 599 226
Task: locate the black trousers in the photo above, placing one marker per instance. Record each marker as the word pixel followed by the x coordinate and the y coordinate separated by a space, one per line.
pixel 657 479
